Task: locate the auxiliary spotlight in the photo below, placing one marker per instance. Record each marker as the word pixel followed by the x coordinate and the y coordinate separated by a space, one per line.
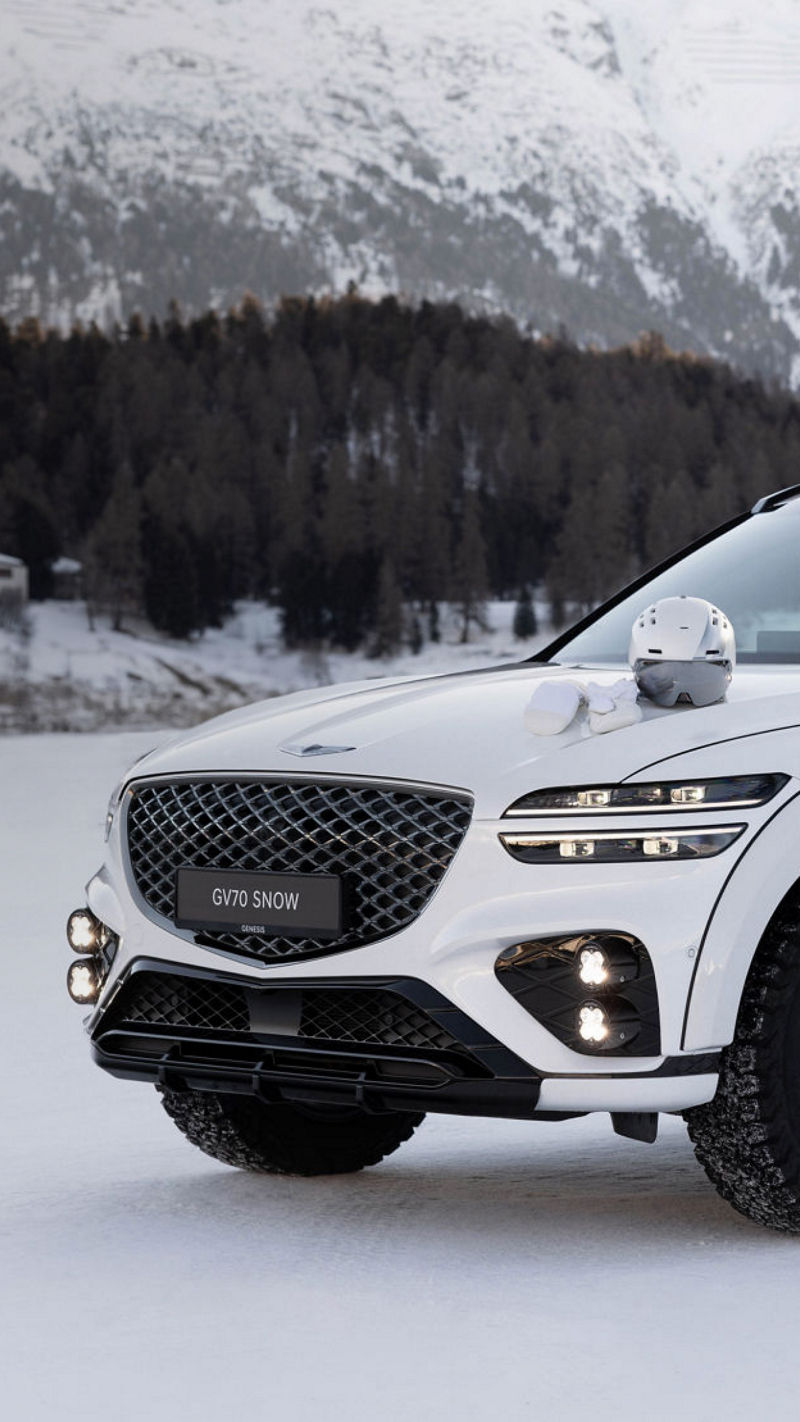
pixel 84 932
pixel 84 982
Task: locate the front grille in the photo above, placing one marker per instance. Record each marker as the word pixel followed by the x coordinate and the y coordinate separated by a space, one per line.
pixel 356 1016
pixel 391 847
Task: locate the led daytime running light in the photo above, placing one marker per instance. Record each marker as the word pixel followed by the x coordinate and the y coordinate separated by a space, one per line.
pixel 739 792
pixel 608 847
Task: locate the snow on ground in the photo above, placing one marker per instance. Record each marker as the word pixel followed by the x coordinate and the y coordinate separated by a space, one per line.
pixel 62 675
pixel 487 1270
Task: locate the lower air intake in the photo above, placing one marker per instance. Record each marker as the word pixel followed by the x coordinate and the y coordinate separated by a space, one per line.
pixel 355 1016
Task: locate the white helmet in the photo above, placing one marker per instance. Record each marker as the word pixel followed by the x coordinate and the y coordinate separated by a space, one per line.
pixel 682 649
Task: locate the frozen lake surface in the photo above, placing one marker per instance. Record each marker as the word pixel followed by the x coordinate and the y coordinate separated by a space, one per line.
pixel 487 1270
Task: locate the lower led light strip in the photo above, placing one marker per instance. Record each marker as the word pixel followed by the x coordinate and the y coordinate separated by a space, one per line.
pixel 617 847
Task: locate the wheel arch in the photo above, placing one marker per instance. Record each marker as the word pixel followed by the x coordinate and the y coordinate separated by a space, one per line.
pixel 763 879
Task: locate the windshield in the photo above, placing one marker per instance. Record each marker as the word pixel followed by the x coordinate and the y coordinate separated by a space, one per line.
pixel 752 573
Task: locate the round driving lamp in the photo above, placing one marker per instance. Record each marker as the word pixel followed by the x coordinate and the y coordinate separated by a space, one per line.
pixel 84 982
pixel 84 933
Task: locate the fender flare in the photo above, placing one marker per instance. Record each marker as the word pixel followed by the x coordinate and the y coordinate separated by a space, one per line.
pixel 758 883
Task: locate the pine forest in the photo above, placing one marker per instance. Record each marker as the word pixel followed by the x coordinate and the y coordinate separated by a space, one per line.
pixel 356 463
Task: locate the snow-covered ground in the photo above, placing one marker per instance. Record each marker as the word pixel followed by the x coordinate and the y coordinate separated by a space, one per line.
pixel 62 675
pixel 488 1270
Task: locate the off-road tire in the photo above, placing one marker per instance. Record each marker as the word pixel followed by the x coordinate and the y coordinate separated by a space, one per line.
pixel 285 1139
pixel 748 1138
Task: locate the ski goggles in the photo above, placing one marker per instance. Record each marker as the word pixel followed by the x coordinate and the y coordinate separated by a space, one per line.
pixel 697 683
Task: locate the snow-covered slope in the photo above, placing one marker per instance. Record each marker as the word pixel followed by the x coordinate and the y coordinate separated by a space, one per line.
pixel 58 674
pixel 609 164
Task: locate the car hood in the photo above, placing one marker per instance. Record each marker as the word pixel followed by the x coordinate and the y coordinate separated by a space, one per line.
pixel 466 730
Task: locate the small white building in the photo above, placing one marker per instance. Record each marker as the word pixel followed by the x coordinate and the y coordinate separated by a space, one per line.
pixel 13 580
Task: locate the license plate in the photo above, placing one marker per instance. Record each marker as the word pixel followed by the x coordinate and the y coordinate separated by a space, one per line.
pixel 293 905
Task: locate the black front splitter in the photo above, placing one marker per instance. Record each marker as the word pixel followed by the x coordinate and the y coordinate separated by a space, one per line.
pixel 276 1071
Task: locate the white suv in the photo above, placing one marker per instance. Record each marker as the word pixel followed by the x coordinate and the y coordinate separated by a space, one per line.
pixel 324 915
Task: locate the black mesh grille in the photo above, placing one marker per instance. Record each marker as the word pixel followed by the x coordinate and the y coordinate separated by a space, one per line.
pixel 358 1016
pixel 159 1001
pixel 339 1015
pixel 392 848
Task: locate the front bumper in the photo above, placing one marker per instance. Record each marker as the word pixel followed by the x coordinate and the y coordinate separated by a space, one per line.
pixel 270 1047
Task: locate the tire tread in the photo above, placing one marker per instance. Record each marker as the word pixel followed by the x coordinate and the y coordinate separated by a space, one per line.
pixel 744 1138
pixel 281 1139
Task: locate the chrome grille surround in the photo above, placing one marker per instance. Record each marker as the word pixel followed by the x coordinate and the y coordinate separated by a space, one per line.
pixel 392 845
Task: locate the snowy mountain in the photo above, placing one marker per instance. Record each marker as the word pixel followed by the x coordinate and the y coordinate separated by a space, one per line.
pixel 609 165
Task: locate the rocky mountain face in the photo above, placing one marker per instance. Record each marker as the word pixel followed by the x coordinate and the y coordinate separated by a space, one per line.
pixel 608 166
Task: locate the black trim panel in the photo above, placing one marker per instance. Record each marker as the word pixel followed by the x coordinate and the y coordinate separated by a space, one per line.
pixel 480 1078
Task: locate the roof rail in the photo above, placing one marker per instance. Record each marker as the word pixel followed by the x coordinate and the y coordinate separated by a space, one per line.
pixel 774 501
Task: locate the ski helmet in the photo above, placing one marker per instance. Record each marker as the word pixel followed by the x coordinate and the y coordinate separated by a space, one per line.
pixel 682 649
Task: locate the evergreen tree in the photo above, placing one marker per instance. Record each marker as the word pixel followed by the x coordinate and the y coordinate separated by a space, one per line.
pixel 388 632
pixel 113 566
pixel 469 583
pixel 171 584
pixel 349 567
pixel 294 456
pixel 525 624
pixel 172 569
pixel 671 519
pixel 609 551
pixel 301 569
pixel 416 640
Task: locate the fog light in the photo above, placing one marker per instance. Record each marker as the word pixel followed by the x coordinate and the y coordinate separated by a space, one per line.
pixel 608 1025
pixel 593 1025
pixel 84 982
pixel 592 966
pixel 607 963
pixel 84 932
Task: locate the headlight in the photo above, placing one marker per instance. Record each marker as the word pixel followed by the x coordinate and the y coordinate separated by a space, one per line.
pixel 738 792
pixel 606 847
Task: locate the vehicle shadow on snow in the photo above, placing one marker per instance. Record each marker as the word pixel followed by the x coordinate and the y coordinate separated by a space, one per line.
pixel 504 1192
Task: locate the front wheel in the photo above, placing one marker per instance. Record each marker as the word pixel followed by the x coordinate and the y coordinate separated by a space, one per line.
pixel 748 1138
pixel 286 1139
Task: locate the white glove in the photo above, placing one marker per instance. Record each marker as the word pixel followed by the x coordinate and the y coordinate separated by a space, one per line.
pixel 555 704
pixel 552 707
pixel 611 708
